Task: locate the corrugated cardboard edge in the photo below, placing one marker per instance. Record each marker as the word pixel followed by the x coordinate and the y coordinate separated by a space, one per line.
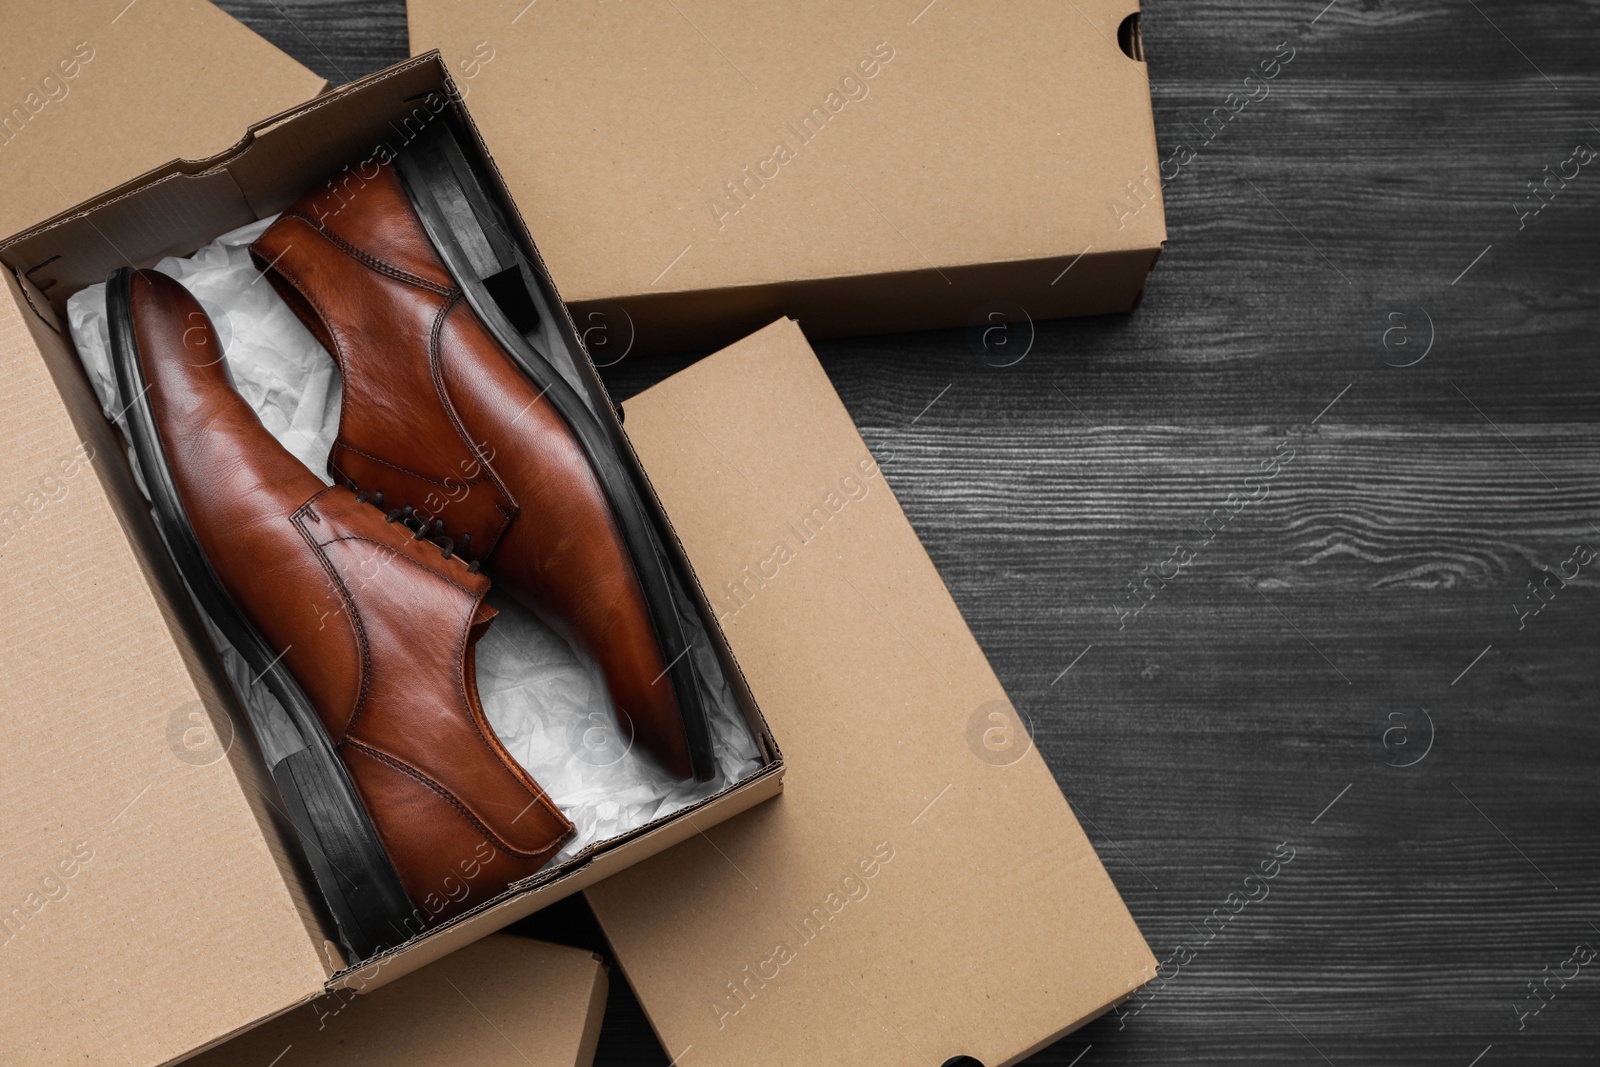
pixel 1089 283
pixel 597 1014
pixel 234 48
pixel 505 999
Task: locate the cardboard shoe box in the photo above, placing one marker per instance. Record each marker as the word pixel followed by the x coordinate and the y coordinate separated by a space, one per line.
pixel 921 889
pixel 156 901
pixel 694 170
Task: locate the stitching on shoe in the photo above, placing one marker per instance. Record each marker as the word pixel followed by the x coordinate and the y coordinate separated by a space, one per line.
pixel 450 798
pixel 407 470
pixel 475 712
pixel 338 354
pixel 403 558
pixel 355 616
pixel 493 743
pixel 363 649
pixel 333 333
pixel 366 259
pixel 436 369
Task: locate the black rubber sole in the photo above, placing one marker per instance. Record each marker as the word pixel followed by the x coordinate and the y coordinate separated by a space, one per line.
pixel 348 860
pixel 471 236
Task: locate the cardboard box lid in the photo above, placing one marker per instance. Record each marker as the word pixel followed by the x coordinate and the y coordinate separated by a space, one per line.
pixel 95 92
pixel 920 890
pixel 637 138
pixel 504 1001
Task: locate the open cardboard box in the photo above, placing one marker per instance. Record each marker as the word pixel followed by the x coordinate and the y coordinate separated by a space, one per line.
pixel 103 645
pixel 921 889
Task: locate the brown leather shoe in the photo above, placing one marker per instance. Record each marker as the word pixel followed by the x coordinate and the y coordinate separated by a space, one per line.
pixel 362 627
pixel 406 274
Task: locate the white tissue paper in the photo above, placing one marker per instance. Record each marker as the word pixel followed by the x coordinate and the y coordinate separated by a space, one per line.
pixel 547 704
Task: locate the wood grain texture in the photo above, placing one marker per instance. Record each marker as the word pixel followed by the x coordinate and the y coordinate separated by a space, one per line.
pixel 1377 574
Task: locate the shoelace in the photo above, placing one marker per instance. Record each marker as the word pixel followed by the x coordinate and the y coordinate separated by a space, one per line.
pixel 430 530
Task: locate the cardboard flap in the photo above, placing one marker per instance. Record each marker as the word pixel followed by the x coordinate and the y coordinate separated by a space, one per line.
pixel 705 145
pixel 504 1000
pixel 146 899
pixel 95 92
pixel 920 890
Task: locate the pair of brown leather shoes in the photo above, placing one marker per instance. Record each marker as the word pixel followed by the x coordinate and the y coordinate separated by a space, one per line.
pixel 462 452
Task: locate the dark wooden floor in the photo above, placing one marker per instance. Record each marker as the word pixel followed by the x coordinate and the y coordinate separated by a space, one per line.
pixel 1360 615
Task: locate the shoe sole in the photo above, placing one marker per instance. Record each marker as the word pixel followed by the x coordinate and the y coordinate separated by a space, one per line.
pixel 470 235
pixel 351 867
